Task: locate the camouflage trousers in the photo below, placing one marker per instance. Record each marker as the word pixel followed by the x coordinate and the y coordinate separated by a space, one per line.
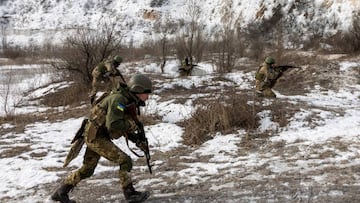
pixel 266 93
pixel 102 146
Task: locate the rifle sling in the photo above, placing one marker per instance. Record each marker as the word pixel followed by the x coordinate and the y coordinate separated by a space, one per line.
pixel 127 143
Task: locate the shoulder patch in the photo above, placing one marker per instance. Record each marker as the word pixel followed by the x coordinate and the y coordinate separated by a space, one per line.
pixel 120 106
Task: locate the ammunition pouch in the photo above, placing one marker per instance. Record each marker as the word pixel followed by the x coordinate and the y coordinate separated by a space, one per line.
pixel 93 132
pixel 259 76
pixel 116 135
pixel 97 121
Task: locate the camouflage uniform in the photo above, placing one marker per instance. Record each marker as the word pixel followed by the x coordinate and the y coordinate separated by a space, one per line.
pixel 105 77
pixel 266 77
pixel 110 120
pixel 117 124
pixel 186 68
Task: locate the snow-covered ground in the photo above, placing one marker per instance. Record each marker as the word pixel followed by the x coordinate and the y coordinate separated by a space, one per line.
pixel 319 138
pixel 314 157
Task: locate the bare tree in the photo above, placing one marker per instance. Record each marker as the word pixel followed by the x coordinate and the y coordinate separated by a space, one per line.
pixel 3 38
pixel 9 95
pixel 353 36
pixel 228 43
pixel 5 93
pixel 226 49
pixel 8 50
pixel 86 48
pixel 190 41
pixel 164 28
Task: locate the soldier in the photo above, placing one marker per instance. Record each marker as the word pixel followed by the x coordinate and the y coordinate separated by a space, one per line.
pixel 107 73
pixel 266 77
pixel 110 121
pixel 186 67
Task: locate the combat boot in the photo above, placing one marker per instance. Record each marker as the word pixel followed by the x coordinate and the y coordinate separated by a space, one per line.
pixel 61 194
pixel 133 196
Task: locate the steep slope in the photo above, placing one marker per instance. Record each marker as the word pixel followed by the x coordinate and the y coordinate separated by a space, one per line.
pixel 39 21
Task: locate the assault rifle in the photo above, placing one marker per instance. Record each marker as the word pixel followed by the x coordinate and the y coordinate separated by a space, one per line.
pixel 285 68
pixel 139 137
pixel 187 70
pixel 145 146
pixel 117 73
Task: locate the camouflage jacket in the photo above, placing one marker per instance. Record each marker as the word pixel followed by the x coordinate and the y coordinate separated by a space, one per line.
pixel 266 77
pixel 104 67
pixel 113 108
pixel 104 72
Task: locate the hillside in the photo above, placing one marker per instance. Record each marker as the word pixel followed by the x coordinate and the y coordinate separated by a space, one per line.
pixel 46 21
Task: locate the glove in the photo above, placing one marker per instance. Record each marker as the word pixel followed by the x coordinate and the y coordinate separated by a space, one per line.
pixel 132 127
pixel 92 99
pixel 142 145
pixel 107 74
pixel 267 83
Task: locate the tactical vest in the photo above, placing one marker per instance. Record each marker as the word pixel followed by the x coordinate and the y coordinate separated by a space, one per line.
pixel 98 114
pixel 98 118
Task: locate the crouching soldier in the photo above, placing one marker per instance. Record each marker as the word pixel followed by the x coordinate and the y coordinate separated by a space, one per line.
pixel 110 120
pixel 186 67
pixel 266 77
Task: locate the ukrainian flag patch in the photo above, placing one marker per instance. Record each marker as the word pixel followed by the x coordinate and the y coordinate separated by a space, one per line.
pixel 120 106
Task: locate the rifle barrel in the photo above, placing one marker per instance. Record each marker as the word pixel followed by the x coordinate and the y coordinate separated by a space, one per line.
pixel 148 162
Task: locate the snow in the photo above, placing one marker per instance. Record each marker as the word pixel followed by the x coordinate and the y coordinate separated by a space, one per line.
pixel 45 144
pixel 16 80
pixel 220 154
pixel 334 126
pixel 50 141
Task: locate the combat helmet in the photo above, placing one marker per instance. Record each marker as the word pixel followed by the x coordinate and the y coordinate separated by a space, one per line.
pixel 269 60
pixel 118 59
pixel 139 84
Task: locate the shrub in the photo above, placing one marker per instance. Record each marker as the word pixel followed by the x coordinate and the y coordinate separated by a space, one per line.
pixel 223 116
pixel 158 3
pixel 85 49
pixel 72 95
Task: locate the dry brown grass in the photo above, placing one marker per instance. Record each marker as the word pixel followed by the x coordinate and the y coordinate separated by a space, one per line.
pixel 73 95
pixel 30 54
pixel 149 119
pixel 233 111
pixel 281 112
pixel 223 116
pixel 19 121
